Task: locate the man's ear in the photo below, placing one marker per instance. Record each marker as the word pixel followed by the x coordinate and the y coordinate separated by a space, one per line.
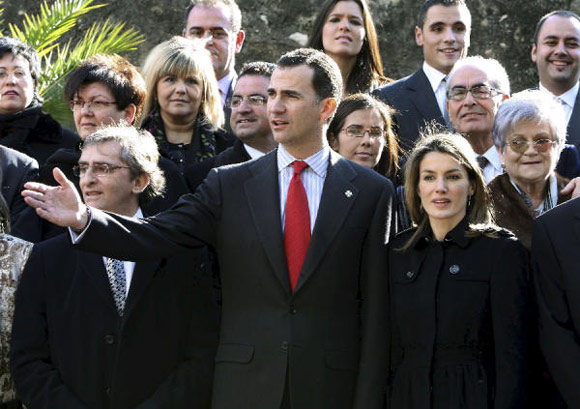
pixel 140 183
pixel 419 36
pixel 328 107
pixel 240 40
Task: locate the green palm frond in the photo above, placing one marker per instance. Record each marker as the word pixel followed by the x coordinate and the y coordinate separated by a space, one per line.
pixel 104 38
pixel 1 14
pixel 42 31
pixel 45 31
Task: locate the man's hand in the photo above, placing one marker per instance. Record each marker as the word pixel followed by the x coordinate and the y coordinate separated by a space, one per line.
pixel 60 205
pixel 572 187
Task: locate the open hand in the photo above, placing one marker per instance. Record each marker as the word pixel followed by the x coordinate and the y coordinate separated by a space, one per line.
pixel 60 205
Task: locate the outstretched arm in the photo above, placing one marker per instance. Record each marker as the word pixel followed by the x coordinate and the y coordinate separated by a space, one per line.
pixel 60 205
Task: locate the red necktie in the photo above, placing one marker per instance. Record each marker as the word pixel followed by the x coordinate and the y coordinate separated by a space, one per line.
pixel 296 224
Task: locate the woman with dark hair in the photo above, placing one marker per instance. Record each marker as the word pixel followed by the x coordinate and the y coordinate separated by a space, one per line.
pixel 458 290
pixel 14 253
pixel 108 90
pixel 23 125
pixel 361 132
pixel 183 106
pixel 344 30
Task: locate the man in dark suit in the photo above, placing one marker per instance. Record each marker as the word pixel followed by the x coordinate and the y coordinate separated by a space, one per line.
pixel 249 123
pixel 443 31
pixel 301 254
pixel 16 169
pixel 87 335
pixel 556 52
pixel 219 22
pixel 555 244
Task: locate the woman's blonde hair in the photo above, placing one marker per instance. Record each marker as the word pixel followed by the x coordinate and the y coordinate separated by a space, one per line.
pixel 183 58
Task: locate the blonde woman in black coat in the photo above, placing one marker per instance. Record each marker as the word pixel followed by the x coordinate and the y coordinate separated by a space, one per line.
pixel 458 290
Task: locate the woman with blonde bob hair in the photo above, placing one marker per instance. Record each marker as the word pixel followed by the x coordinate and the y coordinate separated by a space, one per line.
pixel 183 106
pixel 458 290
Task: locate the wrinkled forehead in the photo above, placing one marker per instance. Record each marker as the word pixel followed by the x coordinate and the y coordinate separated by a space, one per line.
pixel 105 152
pixel 252 84
pixel 468 76
pixel 210 16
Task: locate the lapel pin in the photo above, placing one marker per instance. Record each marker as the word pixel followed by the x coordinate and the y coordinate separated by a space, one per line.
pixel 348 193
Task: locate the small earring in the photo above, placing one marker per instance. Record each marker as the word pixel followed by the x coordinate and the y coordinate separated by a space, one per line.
pixel 469 201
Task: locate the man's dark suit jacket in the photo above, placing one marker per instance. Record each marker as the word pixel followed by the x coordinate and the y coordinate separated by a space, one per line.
pixel 555 245
pixel 574 124
pixel 328 336
pixel 413 99
pixel 70 348
pixel 16 168
pixel 197 172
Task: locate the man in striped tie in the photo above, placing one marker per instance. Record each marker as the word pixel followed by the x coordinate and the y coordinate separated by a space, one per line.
pixel 300 237
pixel 97 332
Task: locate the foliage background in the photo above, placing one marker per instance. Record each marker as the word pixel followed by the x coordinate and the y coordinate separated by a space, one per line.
pixel 502 29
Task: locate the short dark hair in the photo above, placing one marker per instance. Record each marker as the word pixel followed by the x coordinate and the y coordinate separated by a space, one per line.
pixel 261 68
pixel 17 47
pixel 559 13
pixel 430 3
pixel 119 75
pixel 327 80
pixel 230 4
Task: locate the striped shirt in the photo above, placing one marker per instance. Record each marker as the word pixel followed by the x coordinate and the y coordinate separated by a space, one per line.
pixel 312 178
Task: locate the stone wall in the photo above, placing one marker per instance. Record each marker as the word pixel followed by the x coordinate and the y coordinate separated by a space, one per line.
pixel 502 29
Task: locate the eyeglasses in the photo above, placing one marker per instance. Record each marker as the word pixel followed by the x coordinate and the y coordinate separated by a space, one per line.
pixel 98 169
pixel 357 131
pixel 540 145
pixel 78 104
pixel 253 100
pixel 477 91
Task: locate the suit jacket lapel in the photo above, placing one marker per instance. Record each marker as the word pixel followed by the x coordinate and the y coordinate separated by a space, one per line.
pixel 574 123
pixel 142 276
pixel 263 196
pixel 423 97
pixel 93 267
pixel 338 196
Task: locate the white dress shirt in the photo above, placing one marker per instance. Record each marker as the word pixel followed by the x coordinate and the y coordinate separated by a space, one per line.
pixel 493 167
pixel 436 79
pixel 253 152
pixel 312 178
pixel 224 85
pixel 567 99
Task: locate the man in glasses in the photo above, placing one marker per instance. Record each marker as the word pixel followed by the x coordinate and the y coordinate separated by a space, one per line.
pixel 94 332
pixel 249 122
pixel 475 89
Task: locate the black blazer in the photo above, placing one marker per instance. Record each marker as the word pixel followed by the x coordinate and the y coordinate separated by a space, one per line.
pixel 328 335
pixel 555 244
pixel 574 124
pixel 70 348
pixel 415 103
pixel 16 168
pixel 197 172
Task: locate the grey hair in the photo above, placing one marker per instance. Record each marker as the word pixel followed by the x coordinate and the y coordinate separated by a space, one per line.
pixel 496 73
pixel 531 105
pixel 138 150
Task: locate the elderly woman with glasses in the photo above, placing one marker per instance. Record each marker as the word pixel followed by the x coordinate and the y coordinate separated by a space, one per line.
pixel 529 132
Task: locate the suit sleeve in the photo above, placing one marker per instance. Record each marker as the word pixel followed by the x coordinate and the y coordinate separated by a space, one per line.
pixel 372 379
pixel 558 337
pixel 509 309
pixel 189 385
pixel 25 223
pixel 37 380
pixel 192 222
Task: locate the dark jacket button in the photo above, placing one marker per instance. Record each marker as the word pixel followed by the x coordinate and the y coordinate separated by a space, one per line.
pixel 109 339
